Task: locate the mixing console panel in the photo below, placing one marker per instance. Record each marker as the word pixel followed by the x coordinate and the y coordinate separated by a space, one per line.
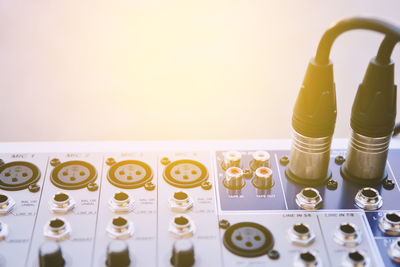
pixel 188 204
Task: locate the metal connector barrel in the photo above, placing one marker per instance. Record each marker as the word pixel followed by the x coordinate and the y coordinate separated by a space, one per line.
pixel 366 159
pixel 309 159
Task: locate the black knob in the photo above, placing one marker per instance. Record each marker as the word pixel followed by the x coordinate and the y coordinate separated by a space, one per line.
pixel 118 254
pixel 182 253
pixel 50 255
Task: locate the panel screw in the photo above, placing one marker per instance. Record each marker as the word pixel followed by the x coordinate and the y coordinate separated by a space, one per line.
pixel 110 161
pixel 273 255
pixel 92 187
pixel 332 184
pixel 339 160
pixel 149 186
pixel 165 161
pixel 54 162
pixel 388 184
pixel 284 160
pixel 247 173
pixel 1 162
pixel 224 224
pixel 33 188
pixel 206 185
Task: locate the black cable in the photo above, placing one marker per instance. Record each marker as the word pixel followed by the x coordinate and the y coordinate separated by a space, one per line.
pixel 385 50
pixel 326 42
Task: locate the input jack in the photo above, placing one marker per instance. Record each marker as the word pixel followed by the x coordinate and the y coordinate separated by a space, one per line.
pixel 347 235
pixel 61 203
pixel 309 199
pixel 180 202
pixel 260 159
pixel 57 229
pixel 6 204
pixel 181 227
pixel 306 259
pixel 355 258
pixel 301 235
pixel 390 223
pixel 121 202
pixel 3 231
pixel 120 228
pixel 394 250
pixel 368 198
pixel 232 159
pixel 234 181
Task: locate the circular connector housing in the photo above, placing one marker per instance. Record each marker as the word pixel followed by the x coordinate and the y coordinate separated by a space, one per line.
pixel 301 235
pixel 120 228
pixel 306 259
pixel 347 235
pixel 61 203
pixel 180 202
pixel 232 159
pixel 3 231
pixel 355 258
pixel 248 239
pixel 260 159
pixel 368 198
pixel 263 178
pixel 73 174
pixel 121 202
pixel 182 227
pixel 185 173
pixel 6 204
pixel 390 223
pixel 309 199
pixel 18 175
pixel 57 229
pixel 129 174
pixel 394 250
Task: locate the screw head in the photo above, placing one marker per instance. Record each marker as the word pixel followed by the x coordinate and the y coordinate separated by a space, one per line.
pixel 273 255
pixel 247 173
pixel 92 187
pixel 33 188
pixel 284 160
pixel 206 185
pixel 165 161
pixel 224 224
pixel 388 184
pixel 339 160
pixel 332 184
pixel 54 162
pixel 110 161
pixel 149 186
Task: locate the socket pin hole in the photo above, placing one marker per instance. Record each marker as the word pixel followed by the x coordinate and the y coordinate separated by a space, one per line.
pixel 309 193
pixel 7 174
pixel 129 177
pixel 239 237
pixel 356 256
pixel 181 220
pixel 393 217
pixel 122 172
pixel 347 228
pixel 57 223
pixel 119 221
pixel 82 173
pixel 60 197
pixel 368 193
pixel 72 178
pixel 180 195
pixel 185 177
pixel 138 172
pixel 249 244
pixel 14 179
pixel 307 257
pixel 24 174
pixel 121 196
pixel 300 228
pixel 3 198
pixel 257 238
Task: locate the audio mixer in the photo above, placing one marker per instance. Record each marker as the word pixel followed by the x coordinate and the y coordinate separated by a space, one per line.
pixel 309 202
pixel 194 203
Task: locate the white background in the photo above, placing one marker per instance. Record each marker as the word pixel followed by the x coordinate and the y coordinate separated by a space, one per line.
pixel 153 70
